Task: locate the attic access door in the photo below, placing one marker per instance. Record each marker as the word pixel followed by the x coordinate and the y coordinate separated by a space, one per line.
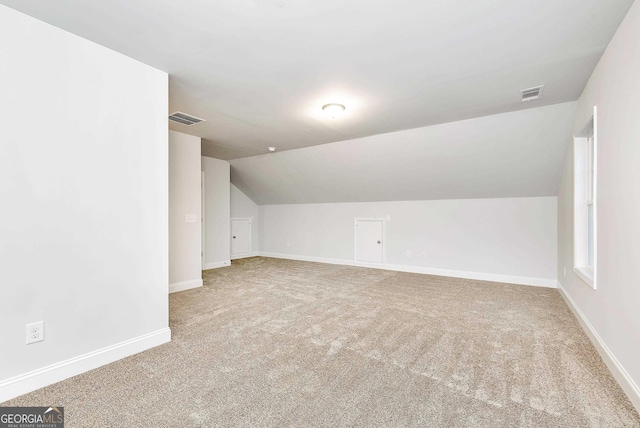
pixel 368 240
pixel 240 237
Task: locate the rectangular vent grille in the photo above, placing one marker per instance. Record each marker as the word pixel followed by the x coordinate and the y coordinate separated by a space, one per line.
pixel 185 119
pixel 532 93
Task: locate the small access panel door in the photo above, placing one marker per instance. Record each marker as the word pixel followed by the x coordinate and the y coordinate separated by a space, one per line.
pixel 369 243
pixel 240 236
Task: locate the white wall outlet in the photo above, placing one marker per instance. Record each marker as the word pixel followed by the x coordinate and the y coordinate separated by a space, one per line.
pixel 192 218
pixel 388 218
pixel 408 253
pixel 35 332
pixel 424 254
pixel 288 244
pixel 564 271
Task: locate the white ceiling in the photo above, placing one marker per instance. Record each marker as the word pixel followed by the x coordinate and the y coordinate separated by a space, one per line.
pixel 515 154
pixel 259 70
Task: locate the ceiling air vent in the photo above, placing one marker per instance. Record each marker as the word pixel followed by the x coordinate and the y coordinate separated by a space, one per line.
pixel 532 93
pixel 185 119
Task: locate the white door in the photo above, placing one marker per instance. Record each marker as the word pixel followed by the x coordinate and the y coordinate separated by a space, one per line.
pixel 240 236
pixel 369 240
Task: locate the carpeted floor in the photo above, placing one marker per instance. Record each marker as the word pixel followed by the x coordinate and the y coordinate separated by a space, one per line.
pixel 270 342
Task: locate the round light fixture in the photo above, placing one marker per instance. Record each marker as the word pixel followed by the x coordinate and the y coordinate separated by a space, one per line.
pixel 271 149
pixel 333 110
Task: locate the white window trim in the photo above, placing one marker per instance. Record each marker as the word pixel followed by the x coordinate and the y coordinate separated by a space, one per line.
pixel 586 273
pixel 584 196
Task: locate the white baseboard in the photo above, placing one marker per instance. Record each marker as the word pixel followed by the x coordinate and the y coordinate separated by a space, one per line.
pixel 522 280
pixel 244 256
pixel 22 384
pixel 216 265
pixel 619 373
pixel 185 285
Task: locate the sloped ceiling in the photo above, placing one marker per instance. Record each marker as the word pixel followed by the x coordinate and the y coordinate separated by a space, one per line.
pixel 516 154
pixel 259 70
pixel 431 88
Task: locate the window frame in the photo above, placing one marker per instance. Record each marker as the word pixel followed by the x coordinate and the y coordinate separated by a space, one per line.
pixel 585 187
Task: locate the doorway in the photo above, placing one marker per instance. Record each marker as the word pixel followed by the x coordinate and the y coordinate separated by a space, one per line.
pixel 369 242
pixel 240 237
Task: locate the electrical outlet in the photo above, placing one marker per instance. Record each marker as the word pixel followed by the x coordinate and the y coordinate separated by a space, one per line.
pixel 35 332
pixel 408 253
pixel 288 244
pixel 424 254
pixel 564 271
pixel 388 218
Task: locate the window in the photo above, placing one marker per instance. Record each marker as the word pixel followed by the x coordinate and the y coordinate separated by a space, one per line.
pixel 590 179
pixel 585 212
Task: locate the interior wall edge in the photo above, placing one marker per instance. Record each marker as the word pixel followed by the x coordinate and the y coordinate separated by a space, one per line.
pixel 618 371
pixel 36 379
pixel 246 256
pixel 216 265
pixel 481 276
pixel 185 285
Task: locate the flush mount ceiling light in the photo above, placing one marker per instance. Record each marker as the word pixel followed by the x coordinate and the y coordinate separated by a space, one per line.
pixel 333 110
pixel 271 149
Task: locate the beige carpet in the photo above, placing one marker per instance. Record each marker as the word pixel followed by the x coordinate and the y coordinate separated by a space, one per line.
pixel 270 342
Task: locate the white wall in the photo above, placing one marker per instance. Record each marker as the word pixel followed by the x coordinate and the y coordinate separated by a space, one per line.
pixel 612 312
pixel 217 213
pixel 512 240
pixel 84 217
pixel 243 207
pixel 185 238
